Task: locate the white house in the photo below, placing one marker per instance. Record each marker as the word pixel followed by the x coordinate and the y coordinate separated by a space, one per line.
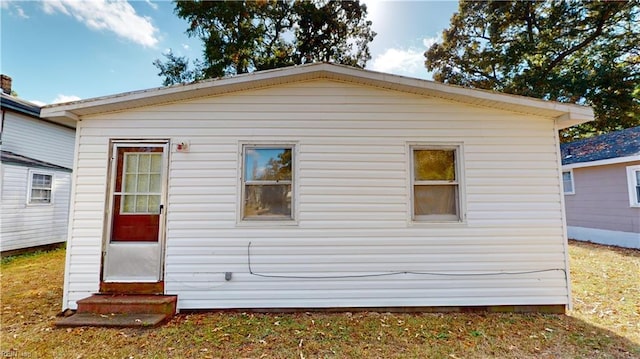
pixel 37 158
pixel 602 188
pixel 319 186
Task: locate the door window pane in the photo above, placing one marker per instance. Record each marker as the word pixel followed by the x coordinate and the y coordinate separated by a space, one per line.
pixel 155 184
pixel 142 183
pixel 131 162
pixel 129 205
pixel 156 163
pixel 129 183
pixel 144 163
pixel 141 204
pixel 154 204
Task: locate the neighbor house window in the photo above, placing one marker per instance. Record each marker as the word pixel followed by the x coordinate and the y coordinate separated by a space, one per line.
pixel 633 180
pixel 40 188
pixel 267 182
pixel 436 183
pixel 567 182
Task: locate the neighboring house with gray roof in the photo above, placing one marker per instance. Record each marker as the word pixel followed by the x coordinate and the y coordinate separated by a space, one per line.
pixel 601 177
pixel 37 158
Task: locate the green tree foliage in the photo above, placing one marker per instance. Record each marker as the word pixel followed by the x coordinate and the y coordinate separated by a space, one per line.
pixel 584 52
pixel 246 36
pixel 176 69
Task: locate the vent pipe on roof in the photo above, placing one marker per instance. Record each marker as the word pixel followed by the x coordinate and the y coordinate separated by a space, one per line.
pixel 5 84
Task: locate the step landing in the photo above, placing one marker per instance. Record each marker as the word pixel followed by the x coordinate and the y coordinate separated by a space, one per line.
pixel 121 320
pixel 122 310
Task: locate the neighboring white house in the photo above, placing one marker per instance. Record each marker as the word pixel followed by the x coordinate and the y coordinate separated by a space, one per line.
pixel 37 158
pixel 319 186
pixel 602 188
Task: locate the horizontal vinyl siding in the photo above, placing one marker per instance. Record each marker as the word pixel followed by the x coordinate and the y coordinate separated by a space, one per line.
pixel 25 225
pixel 353 202
pixel 38 139
pixel 601 199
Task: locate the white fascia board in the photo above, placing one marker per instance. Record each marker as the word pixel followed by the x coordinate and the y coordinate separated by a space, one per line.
pixel 566 114
pixel 159 94
pixel 609 161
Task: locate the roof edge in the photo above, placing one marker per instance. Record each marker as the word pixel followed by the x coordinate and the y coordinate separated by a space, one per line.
pixel 12 158
pixel 19 105
pixel 608 161
pixel 565 114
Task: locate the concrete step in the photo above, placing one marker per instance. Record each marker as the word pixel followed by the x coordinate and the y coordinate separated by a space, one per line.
pixel 122 320
pixel 128 304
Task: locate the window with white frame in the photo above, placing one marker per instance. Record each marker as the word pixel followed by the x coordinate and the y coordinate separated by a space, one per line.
pixel 633 181
pixel 567 182
pixel 267 182
pixel 436 192
pixel 40 189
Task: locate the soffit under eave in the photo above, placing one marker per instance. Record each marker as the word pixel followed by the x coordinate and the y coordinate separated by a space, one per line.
pixel 573 118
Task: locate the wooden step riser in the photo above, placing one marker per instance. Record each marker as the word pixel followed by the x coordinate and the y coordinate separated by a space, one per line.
pixel 132 308
pixel 128 304
pixel 128 288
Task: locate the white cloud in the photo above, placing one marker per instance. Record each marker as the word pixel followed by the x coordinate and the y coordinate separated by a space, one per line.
pixel 185 46
pixel 50 7
pixel 13 8
pixel 404 61
pixel 21 12
pixel 39 103
pixel 429 41
pixel 116 16
pixel 153 6
pixel 65 98
pixel 407 61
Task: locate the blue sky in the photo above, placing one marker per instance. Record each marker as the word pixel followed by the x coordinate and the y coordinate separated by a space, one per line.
pixel 65 50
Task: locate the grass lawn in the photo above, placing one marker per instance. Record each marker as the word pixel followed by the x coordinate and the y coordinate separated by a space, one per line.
pixel 604 323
